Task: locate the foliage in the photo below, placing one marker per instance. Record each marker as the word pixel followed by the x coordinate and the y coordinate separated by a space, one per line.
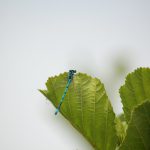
pixel 87 107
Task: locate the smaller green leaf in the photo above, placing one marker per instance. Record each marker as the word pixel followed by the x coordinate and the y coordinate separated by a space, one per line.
pixel 136 90
pixel 138 132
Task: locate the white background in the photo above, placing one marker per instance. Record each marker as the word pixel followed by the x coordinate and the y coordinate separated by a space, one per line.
pixel 39 39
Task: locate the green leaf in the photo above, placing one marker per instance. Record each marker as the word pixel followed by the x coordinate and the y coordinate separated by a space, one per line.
pixel 138 132
pixel 86 106
pixel 136 90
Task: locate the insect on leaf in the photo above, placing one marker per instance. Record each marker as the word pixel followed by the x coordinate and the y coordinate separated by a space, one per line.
pixel 86 106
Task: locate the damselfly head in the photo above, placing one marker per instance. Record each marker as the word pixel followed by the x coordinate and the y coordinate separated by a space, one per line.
pixel 72 71
pixel 71 74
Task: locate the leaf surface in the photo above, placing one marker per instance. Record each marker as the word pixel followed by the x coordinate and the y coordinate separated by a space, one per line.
pixel 86 106
pixel 138 132
pixel 136 90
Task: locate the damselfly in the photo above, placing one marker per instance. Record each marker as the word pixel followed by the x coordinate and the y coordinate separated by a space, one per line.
pixel 70 78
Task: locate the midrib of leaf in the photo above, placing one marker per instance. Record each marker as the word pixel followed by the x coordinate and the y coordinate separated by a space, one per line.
pixel 81 102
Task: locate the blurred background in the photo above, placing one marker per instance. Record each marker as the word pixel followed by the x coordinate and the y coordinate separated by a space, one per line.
pixel 38 39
